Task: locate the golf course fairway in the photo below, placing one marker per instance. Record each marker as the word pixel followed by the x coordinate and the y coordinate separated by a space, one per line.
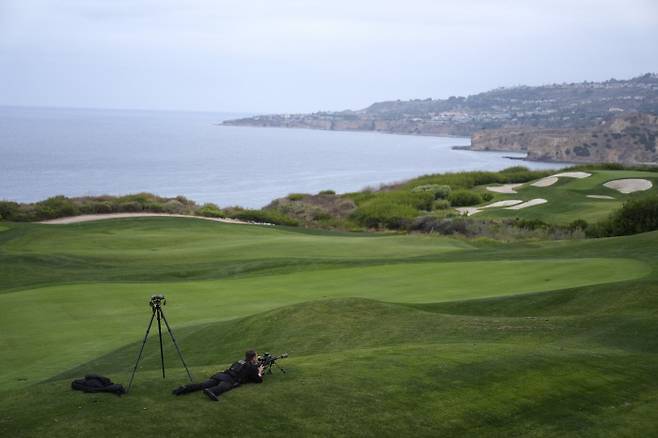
pixel 388 335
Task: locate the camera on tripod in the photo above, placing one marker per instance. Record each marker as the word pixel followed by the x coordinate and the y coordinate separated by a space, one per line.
pixel 157 301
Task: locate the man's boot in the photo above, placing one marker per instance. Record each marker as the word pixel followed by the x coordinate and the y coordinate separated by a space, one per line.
pixel 211 395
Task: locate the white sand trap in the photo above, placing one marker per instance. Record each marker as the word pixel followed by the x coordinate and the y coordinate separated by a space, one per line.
pixel 530 203
pixel 578 175
pixel 550 180
pixel 99 217
pixel 600 197
pixel 545 182
pixel 629 185
pixel 506 188
pixel 505 203
pixel 469 211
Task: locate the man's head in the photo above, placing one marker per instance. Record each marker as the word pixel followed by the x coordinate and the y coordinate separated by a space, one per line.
pixel 251 356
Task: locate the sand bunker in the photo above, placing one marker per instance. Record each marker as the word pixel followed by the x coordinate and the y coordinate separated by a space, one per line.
pixel 530 203
pixel 629 185
pixel 469 211
pixel 505 203
pixel 550 180
pixel 573 175
pixel 545 182
pixel 99 217
pixel 600 197
pixel 506 188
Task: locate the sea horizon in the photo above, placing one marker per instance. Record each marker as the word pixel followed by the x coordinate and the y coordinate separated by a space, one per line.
pixel 97 151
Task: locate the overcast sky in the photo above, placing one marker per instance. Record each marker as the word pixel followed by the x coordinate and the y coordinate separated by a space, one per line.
pixel 301 56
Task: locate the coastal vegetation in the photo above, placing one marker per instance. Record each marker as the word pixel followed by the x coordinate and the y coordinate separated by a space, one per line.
pixel 472 204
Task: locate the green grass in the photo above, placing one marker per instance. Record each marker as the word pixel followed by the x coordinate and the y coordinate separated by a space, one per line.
pixel 567 199
pixel 389 335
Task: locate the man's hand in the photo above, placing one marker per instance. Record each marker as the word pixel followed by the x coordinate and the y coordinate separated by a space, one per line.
pixel 260 371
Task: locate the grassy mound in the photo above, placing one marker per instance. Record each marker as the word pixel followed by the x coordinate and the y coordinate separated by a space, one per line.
pixel 388 335
pixel 372 368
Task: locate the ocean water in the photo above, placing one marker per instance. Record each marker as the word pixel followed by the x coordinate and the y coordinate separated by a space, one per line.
pixel 76 152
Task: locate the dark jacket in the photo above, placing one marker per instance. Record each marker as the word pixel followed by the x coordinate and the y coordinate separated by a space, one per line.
pixel 240 372
pixel 96 383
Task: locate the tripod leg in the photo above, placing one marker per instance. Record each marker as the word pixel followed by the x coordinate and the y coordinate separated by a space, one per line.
pixel 161 350
pixel 141 350
pixel 176 345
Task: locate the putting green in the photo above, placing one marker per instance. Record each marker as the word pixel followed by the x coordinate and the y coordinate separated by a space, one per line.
pixel 50 329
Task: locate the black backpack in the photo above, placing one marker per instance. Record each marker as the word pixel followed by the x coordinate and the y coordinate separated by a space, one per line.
pixel 96 383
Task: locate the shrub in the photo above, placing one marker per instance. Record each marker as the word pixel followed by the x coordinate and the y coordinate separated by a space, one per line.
pixel 438 190
pixel 154 207
pixel 57 206
pixel 392 209
pixel 174 206
pixel 209 210
pixel 296 196
pixel 579 224
pixel 638 215
pixel 464 198
pixel 441 204
pixel 130 207
pixel 486 196
pixel 263 216
pixel 96 207
pixel 9 210
pixel 326 192
pixel 389 215
pixel 319 214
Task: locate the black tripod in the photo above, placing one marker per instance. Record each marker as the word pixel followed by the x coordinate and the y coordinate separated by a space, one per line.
pixel 156 303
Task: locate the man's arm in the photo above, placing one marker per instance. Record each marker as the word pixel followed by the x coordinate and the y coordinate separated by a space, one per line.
pixel 255 374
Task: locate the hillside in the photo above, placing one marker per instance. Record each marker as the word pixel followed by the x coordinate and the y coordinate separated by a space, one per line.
pixel 546 120
pixel 387 335
pixel 510 204
pixel 563 106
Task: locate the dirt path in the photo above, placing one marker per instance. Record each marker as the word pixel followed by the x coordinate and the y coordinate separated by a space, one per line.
pixel 100 217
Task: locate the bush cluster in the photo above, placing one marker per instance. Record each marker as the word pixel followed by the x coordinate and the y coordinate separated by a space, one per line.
pixel 438 190
pixel 61 206
pixel 263 216
pixel 392 210
pixel 464 198
pixel 296 196
pixel 468 180
pixel 637 215
pixel 209 210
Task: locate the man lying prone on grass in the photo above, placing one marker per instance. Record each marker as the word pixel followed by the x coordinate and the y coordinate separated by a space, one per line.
pixel 242 371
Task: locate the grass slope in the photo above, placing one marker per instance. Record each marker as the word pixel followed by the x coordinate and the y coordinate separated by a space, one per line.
pixel 531 339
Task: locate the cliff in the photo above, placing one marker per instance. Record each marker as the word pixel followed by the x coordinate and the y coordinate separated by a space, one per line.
pixel 628 138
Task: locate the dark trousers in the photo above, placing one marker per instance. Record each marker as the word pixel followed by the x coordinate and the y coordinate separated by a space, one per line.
pixel 217 384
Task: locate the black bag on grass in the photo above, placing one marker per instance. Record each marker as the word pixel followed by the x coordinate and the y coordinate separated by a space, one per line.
pixel 96 383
